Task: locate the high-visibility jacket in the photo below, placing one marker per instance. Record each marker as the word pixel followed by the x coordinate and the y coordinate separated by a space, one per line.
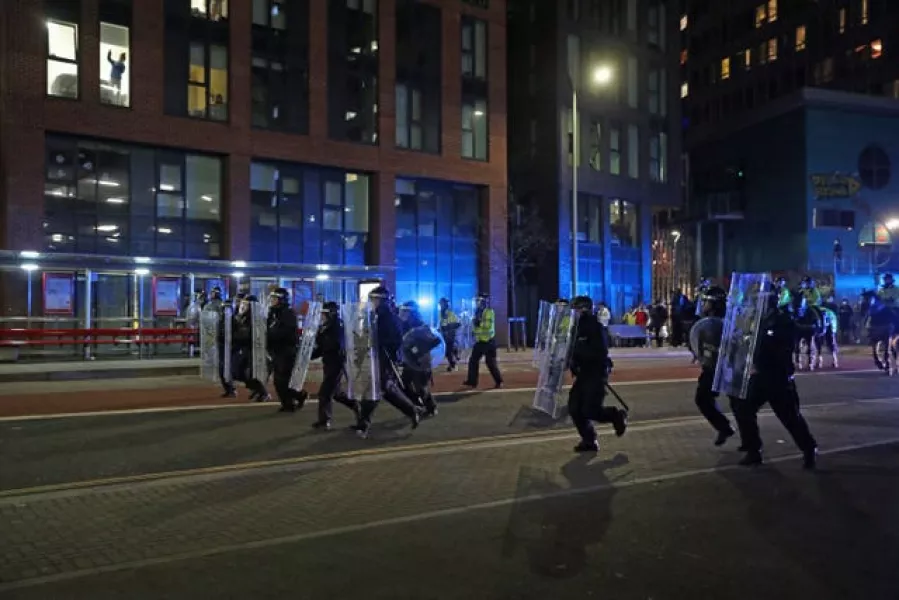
pixel 448 318
pixel 485 330
pixel 812 296
pixel 785 298
pixel 888 294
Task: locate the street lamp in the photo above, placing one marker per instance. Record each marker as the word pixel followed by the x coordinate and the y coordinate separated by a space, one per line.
pixel 602 75
pixel 892 224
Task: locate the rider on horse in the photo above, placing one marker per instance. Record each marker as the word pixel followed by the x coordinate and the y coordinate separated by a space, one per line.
pixel 810 292
pixel 784 296
pixel 889 293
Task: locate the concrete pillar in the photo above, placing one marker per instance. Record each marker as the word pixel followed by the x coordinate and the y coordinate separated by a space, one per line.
pixel 493 267
pixel 382 224
pixel 237 208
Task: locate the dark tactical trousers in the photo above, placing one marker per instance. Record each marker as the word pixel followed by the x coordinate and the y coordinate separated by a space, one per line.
pixel 418 385
pixel 329 392
pixel 486 350
pixel 706 402
pixel 224 378
pixel 391 392
pixel 585 404
pixel 282 369
pixel 781 394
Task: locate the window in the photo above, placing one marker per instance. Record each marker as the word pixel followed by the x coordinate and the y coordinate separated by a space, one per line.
pixel 684 22
pixel 800 38
pixel 652 29
pixel 409 126
pixel 114 199
pixel 280 66
pixel 615 150
pixel 632 82
pixel 772 11
pixel 437 231
pixel 684 89
pixel 654 94
pixel 876 48
pixel 759 15
pixel 207 86
pixel 474 129
pixel 62 59
pixel 115 87
pixel 270 13
pixel 725 68
pixel 633 151
pixel 596 145
pixel 863 17
pixel 623 223
pixel 474 48
pixel 842 20
pixel 683 57
pixel 772 49
pixel 834 219
pixel 658 157
pixel 747 58
pixel 353 71
pixel 214 10
pixel 305 214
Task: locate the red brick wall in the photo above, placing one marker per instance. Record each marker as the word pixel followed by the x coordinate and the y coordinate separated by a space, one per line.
pixel 26 114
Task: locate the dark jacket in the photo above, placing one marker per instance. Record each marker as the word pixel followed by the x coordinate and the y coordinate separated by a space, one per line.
pixel 774 349
pixel 282 333
pixel 590 356
pixel 241 332
pixel 329 346
pixel 390 337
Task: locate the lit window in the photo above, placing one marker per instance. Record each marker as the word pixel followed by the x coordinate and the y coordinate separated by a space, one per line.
pixel 115 77
pixel 772 49
pixel 684 21
pixel 683 57
pixel 800 38
pixel 876 48
pixel 725 68
pixel 62 59
pixel 864 15
pixel 842 20
pixel 747 58
pixel 684 89
pixel 207 86
pixel 772 11
pixel 759 15
pixel 215 10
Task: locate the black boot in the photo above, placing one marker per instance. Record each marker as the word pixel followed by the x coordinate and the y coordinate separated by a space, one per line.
pixel 367 409
pixel 586 446
pixel 723 436
pixel 752 458
pixel 810 459
pixel 300 398
pixel 619 422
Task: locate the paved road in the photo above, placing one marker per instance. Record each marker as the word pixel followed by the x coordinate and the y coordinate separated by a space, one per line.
pixel 485 501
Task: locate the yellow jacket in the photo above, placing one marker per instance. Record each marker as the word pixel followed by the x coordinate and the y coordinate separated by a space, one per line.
pixel 448 318
pixel 812 296
pixel 888 295
pixel 486 328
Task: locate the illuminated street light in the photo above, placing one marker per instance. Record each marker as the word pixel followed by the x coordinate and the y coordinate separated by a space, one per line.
pixel 892 224
pixel 602 75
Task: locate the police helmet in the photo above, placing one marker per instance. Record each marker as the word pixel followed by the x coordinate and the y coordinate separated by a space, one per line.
pixel 582 303
pixel 807 280
pixel 279 296
pixel 562 302
pixel 410 306
pixel 780 281
pixel 888 277
pixel 443 302
pixel 216 292
pixel 381 293
pixel 714 302
pixel 484 296
pixel 330 308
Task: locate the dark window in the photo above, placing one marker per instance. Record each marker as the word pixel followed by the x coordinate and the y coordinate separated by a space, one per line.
pixel 280 72
pixel 115 47
pixel 63 42
pixel 353 70
pixel 475 122
pixel 474 48
pixel 117 200
pixel 436 242
pixel 304 214
pixel 874 167
pixel 590 245
pixel 834 219
pixel 418 75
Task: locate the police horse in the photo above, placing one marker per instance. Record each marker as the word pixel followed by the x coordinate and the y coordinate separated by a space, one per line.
pixel 810 329
pixel 883 333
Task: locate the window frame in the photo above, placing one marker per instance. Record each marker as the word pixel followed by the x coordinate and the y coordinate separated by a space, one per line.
pixel 207 46
pixel 473 23
pixel 409 122
pixel 207 14
pixel 473 103
pixel 127 73
pixel 52 58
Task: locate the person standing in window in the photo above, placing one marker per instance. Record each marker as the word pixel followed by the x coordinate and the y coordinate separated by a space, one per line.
pixel 117 70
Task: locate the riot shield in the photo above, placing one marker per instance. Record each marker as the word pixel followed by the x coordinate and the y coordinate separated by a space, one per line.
pixel 363 363
pixel 542 337
pixel 215 343
pixel 311 323
pixel 415 353
pixel 259 324
pixel 465 333
pixel 746 303
pixel 554 360
pixel 705 339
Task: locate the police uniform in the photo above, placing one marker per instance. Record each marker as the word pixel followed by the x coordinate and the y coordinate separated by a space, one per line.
pixel 484 323
pixel 449 327
pixel 772 382
pixel 242 350
pixel 590 365
pixel 421 340
pixel 218 305
pixel 811 293
pixel 706 398
pixel 784 296
pixel 889 293
pixel 329 347
pixel 282 341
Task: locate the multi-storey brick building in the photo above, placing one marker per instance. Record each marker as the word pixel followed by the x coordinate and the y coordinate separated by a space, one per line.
pixel 276 133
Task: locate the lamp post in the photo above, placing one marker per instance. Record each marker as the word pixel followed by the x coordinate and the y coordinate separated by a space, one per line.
pixel 601 76
pixel 674 270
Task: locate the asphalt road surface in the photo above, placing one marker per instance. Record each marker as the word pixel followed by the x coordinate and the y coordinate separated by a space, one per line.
pixel 485 501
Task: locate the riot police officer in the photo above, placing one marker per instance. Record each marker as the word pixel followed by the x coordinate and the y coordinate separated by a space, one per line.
pixel 329 346
pixel 704 284
pixel 449 327
pixel 418 341
pixel 772 382
pixel 707 336
pixel 242 349
pixel 810 292
pixel 282 340
pixel 888 292
pixel 388 340
pixel 217 304
pixel 782 290
pixel 484 323
pixel 591 365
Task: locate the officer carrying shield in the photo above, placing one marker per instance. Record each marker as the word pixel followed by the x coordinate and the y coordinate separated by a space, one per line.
pixel 418 341
pixel 449 327
pixel 242 349
pixel 282 340
pixel 217 304
pixel 772 382
pixel 707 337
pixel 330 348
pixel 591 365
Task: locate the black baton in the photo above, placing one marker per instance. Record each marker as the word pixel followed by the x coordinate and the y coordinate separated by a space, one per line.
pixel 617 397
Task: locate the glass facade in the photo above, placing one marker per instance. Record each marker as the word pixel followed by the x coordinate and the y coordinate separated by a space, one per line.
pixel 590 246
pixel 436 242
pixel 625 254
pixel 307 214
pixel 62 47
pixel 114 199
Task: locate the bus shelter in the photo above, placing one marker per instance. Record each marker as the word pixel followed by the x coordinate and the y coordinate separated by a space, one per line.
pixel 58 306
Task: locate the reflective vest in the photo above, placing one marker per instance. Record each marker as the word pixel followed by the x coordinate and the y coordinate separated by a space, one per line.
pixel 785 298
pixel 831 320
pixel 486 329
pixel 813 296
pixel 888 294
pixel 448 318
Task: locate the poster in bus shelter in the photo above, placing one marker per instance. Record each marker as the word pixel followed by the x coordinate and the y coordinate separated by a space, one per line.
pixel 59 294
pixel 302 295
pixel 166 296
